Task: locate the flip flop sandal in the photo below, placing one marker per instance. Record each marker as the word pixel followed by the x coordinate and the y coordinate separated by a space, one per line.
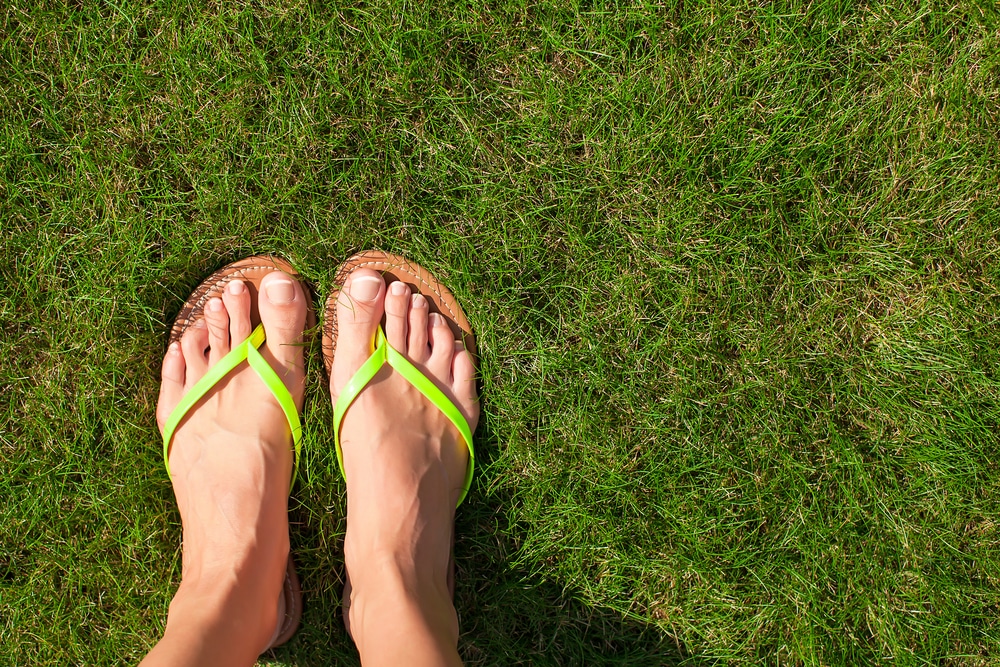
pixel 440 300
pixel 251 271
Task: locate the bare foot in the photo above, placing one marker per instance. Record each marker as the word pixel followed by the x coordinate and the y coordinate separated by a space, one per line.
pixel 231 462
pixel 405 465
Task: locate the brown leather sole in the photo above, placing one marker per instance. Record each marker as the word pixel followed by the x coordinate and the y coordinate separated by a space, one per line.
pixel 292 590
pixel 421 281
pixel 251 271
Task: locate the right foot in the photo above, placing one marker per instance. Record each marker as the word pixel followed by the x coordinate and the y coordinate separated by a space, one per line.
pixel 404 461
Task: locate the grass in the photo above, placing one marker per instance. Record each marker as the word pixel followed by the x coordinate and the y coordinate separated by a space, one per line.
pixel 733 268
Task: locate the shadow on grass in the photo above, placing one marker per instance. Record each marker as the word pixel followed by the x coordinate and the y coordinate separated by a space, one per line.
pixel 507 619
pixel 511 617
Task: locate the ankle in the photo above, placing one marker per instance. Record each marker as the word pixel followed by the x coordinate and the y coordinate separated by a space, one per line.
pixel 388 573
pixel 237 594
pixel 227 612
pixel 394 593
pixel 388 554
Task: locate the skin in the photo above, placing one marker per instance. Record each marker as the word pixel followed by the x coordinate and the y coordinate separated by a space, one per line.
pixel 231 461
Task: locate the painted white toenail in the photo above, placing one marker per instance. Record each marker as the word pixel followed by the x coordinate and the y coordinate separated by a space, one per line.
pixel 365 288
pixel 398 288
pixel 280 291
pixel 236 287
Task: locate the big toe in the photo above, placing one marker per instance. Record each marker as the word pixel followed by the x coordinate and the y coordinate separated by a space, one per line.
pixel 171 385
pixel 282 306
pixel 463 374
pixel 360 305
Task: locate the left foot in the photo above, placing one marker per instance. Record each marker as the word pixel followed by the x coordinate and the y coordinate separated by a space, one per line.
pixel 231 461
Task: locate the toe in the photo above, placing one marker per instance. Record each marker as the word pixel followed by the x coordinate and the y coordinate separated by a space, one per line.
pixel 359 311
pixel 282 305
pixel 397 307
pixel 442 347
pixel 463 384
pixel 417 348
pixel 193 344
pixel 237 301
pixel 218 330
pixel 171 383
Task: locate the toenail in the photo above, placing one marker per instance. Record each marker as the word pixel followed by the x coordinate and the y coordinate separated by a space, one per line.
pixel 199 323
pixel 365 288
pixel 418 301
pixel 236 287
pixel 215 305
pixel 280 291
pixel 398 288
pixel 436 320
pixel 174 348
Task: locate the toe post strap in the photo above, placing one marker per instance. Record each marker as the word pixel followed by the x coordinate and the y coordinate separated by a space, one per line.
pixel 247 351
pixel 383 353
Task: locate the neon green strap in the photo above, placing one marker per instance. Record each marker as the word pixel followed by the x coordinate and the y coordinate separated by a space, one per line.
pixel 384 353
pixel 247 350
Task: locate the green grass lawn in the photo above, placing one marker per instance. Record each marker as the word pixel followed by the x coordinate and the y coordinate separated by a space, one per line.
pixel 733 267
